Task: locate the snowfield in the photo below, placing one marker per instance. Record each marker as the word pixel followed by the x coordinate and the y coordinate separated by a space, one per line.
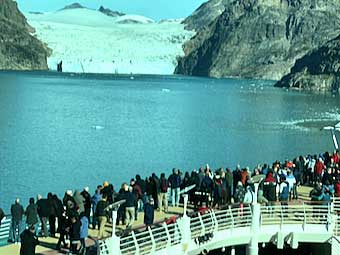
pixel 92 42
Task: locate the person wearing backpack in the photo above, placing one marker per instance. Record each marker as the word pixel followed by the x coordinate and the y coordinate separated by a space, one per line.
pixel 284 193
pixel 163 193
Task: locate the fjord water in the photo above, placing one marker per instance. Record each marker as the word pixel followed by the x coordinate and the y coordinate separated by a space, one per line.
pixel 65 131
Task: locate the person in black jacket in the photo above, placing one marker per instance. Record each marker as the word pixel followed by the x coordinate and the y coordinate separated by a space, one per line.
pixel 62 226
pixel 59 210
pixel 121 209
pixel 32 214
pixel 87 204
pixel 149 213
pixel 101 216
pixel 17 212
pixel 52 215
pixel 28 241
pixel 44 211
pixel 130 200
pixel 75 234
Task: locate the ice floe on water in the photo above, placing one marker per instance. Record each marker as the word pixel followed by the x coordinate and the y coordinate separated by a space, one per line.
pixel 97 127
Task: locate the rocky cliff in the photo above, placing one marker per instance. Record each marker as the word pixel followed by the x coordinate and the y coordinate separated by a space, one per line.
pixel 109 12
pixel 73 6
pixel 205 14
pixel 319 70
pixel 19 50
pixel 260 38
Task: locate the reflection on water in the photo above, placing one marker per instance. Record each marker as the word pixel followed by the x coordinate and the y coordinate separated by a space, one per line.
pixel 59 131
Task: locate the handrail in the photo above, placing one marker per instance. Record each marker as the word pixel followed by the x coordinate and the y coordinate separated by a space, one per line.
pixel 219 220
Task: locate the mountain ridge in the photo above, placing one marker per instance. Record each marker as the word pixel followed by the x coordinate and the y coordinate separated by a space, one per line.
pixel 319 70
pixel 259 38
pixel 19 50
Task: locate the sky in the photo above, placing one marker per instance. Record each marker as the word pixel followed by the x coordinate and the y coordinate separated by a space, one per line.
pixel 155 9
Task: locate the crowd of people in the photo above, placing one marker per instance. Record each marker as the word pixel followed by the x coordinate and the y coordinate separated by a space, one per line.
pixel 211 189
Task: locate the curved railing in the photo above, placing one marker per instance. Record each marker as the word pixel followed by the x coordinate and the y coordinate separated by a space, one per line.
pixel 210 227
pixel 4 229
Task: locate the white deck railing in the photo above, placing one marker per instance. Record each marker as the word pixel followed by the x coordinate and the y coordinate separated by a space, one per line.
pixel 305 218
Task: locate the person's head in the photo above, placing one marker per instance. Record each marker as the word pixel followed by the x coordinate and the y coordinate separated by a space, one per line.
pixel 138 177
pixel 132 182
pixel 162 175
pixel 49 195
pixel 176 172
pixel 125 187
pixel 106 183
pixel 17 200
pixel 39 197
pixel 31 201
pixel 32 229
pixel 73 219
pixel 69 192
pixel 87 189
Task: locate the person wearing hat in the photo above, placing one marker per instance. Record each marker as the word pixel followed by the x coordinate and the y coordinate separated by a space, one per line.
pixel 149 212
pixel 87 204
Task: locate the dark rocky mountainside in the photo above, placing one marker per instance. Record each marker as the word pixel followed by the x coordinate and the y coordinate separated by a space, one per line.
pixel 73 6
pixel 19 50
pixel 205 14
pixel 319 70
pixel 109 12
pixel 260 38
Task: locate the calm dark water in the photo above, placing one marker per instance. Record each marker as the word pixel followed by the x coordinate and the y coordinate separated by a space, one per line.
pixel 150 124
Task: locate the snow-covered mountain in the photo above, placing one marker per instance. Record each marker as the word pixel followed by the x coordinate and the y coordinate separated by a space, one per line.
pixel 89 41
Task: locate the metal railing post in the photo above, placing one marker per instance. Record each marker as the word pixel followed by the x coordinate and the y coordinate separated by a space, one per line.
pixel 281 220
pixel 232 219
pixel 153 248
pixel 168 242
pixel 214 219
pixel 184 228
pixel 202 225
pixel 135 241
pixel 304 217
pixel 253 247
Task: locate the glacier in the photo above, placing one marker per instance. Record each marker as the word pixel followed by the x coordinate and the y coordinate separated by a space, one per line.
pixel 88 41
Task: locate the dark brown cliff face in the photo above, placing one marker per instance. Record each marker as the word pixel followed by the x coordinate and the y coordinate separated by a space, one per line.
pixel 319 70
pixel 205 14
pixel 19 50
pixel 260 38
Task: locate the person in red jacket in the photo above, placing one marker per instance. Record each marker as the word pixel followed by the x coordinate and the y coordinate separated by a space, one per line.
pixel 337 188
pixel 318 170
